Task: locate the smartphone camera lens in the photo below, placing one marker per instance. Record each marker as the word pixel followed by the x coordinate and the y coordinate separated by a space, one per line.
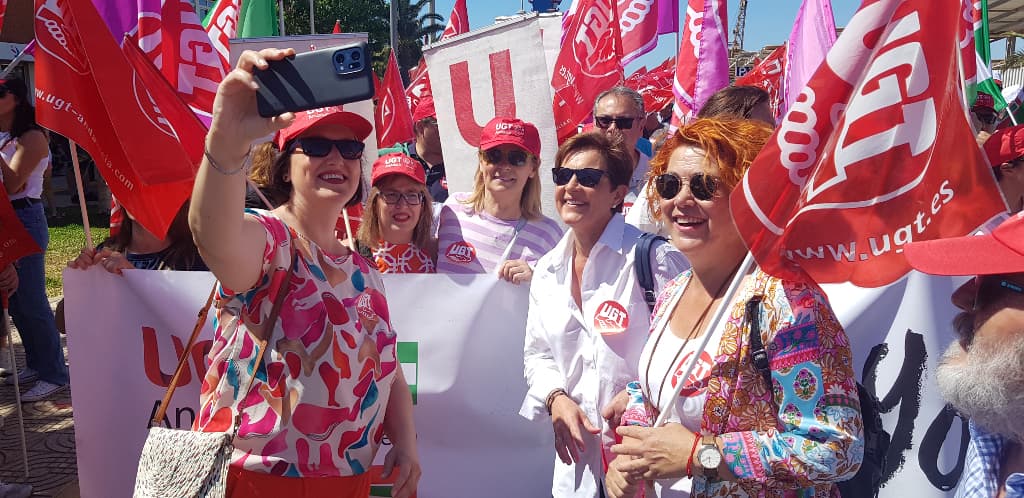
pixel 355 56
pixel 339 58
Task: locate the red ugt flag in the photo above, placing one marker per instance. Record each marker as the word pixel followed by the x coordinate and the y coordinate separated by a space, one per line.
pixel 638 26
pixel 392 116
pixel 86 91
pixel 769 75
pixel 15 241
pixel 875 153
pixel 588 63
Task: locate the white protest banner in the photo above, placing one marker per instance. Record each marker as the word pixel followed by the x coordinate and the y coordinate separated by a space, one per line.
pixel 898 334
pixel 463 362
pixel 497 70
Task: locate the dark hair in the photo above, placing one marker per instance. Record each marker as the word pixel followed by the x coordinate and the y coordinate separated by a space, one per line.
pixel 181 254
pixel 24 112
pixel 279 191
pixel 734 101
pixel 617 160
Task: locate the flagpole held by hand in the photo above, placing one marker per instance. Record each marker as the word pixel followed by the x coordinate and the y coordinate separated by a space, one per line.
pixel 81 195
pixel 17 388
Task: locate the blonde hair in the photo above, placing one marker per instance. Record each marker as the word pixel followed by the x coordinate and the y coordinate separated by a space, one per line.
pixel 370 232
pixel 529 201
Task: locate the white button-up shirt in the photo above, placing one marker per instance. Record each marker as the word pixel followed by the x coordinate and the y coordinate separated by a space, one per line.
pixel 591 352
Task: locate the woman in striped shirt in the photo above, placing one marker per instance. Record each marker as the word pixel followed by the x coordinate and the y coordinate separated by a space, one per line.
pixel 498 228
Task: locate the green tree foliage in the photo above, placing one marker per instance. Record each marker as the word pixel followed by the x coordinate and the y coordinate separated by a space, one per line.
pixel 415 25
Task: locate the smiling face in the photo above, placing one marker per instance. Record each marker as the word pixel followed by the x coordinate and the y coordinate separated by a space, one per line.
pixel 328 178
pixel 503 180
pixel 587 208
pixel 699 229
pixel 397 221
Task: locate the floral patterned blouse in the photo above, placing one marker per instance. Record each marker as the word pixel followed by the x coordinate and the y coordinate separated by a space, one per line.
pixel 807 433
pixel 317 404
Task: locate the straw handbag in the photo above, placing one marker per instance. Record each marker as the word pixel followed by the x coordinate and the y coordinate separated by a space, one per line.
pixel 184 463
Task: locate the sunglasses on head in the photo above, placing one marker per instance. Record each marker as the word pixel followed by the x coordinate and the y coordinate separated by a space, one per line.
pixel 623 123
pixel 702 186
pixel 587 177
pixel 987 290
pixel 514 157
pixel 411 198
pixel 321 147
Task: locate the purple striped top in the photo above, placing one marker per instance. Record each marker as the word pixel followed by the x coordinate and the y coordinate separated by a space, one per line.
pixel 473 242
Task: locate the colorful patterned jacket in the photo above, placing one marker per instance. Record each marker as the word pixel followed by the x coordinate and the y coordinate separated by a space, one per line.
pixel 808 436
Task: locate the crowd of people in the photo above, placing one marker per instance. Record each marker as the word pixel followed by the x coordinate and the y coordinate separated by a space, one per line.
pixel 295 220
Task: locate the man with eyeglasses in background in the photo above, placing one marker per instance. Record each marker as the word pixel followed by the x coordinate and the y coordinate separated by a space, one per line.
pixel 619 111
pixel 426 149
pixel 1005 151
pixel 982 373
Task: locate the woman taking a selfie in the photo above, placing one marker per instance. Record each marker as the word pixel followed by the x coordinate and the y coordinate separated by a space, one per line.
pixel 499 228
pixel 329 387
pixel 792 428
pixel 395 232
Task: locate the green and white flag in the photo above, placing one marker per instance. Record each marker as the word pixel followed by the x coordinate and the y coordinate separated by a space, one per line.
pixel 983 81
pixel 256 18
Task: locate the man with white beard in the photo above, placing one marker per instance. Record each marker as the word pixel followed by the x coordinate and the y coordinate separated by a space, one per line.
pixel 982 373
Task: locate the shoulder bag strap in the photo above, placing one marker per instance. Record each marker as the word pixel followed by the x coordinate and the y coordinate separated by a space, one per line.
pixel 275 311
pixel 642 267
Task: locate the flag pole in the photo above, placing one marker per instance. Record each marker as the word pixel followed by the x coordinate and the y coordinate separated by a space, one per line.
pixel 81 195
pixel 280 17
pixel 18 59
pixel 312 27
pixel 17 388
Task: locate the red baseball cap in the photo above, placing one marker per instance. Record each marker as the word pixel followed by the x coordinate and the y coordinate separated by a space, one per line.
pixel 397 163
pixel 305 120
pixel 1005 145
pixel 1001 251
pixel 500 131
pixel 424 109
pixel 984 100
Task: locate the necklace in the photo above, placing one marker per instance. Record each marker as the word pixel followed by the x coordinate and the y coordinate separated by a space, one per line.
pixel 686 340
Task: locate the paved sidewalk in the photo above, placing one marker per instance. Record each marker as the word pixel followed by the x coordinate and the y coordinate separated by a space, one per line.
pixel 50 440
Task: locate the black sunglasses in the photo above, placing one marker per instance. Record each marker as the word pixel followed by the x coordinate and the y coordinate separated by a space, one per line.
pixel 987 290
pixel 411 198
pixel 514 157
pixel 320 147
pixel 604 122
pixel 588 177
pixel 702 186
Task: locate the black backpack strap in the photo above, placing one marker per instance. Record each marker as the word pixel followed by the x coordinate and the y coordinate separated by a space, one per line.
pixel 642 267
pixel 758 356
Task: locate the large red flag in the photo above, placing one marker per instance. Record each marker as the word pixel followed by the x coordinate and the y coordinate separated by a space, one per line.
pixel 419 86
pixel 638 27
pixel 222 27
pixel 86 91
pixel 768 74
pixel 875 153
pixel 587 64
pixel 702 67
pixel 15 241
pixel 3 10
pixel 394 120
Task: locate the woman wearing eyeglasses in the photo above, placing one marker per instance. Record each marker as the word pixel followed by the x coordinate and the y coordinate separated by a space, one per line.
pixel 588 318
pixel 731 432
pixel 498 228
pixel 329 386
pixel 395 232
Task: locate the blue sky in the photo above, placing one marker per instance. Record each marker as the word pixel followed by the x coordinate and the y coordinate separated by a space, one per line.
pixel 768 22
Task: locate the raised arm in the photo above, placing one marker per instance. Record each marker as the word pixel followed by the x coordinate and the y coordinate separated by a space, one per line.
pixel 231 243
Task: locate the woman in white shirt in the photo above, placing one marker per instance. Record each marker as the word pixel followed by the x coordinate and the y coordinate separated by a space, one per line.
pixel 24 157
pixel 588 319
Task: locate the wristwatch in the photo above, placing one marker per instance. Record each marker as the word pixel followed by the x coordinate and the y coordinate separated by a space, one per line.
pixel 709 457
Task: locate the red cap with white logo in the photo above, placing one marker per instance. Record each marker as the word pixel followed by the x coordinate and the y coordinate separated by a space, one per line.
pixel 1005 145
pixel 305 120
pixel 500 131
pixel 397 163
pixel 1001 251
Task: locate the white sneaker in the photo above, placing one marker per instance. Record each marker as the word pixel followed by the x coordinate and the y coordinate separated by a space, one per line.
pixel 5 363
pixel 25 376
pixel 11 490
pixel 41 391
